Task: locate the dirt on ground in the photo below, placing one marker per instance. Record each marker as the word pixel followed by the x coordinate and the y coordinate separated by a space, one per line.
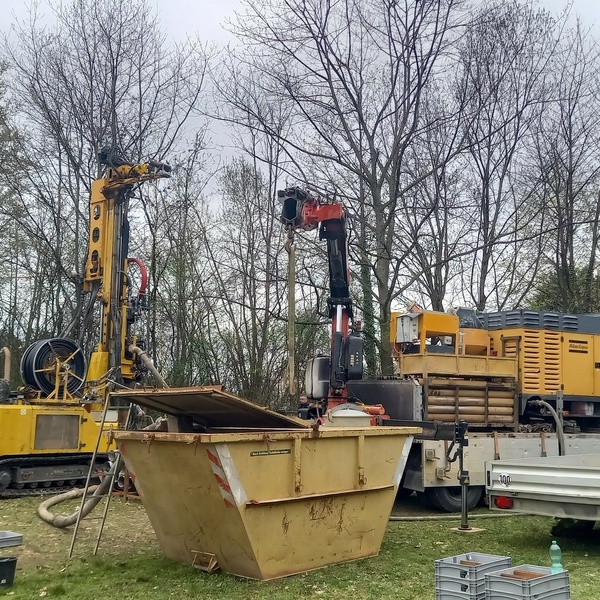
pixel 126 528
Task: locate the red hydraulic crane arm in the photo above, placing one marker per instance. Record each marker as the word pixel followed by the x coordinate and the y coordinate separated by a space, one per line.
pixel 313 213
pixel 302 211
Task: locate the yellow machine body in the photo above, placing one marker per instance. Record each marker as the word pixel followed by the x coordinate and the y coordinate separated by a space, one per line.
pixel 106 223
pixel 552 361
pixel 480 375
pixel 45 446
pixel 516 377
pixel 461 378
pixel 38 429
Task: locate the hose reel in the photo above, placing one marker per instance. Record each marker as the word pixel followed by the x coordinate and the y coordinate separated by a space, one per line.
pixel 54 363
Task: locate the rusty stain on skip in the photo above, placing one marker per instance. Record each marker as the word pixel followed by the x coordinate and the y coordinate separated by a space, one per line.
pixel 320 509
pixel 340 524
pixel 285 523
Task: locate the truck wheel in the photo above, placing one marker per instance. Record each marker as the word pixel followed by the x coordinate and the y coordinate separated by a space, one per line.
pixel 447 499
pixel 571 527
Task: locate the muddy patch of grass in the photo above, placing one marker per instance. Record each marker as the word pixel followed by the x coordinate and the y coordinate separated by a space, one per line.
pixel 127 529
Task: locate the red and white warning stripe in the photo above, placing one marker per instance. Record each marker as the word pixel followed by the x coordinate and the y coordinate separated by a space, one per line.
pixel 226 475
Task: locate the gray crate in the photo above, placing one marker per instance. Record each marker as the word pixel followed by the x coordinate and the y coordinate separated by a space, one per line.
pixel 455 580
pixel 9 538
pixel 459 589
pixel 550 586
pixel 563 593
pixel 455 567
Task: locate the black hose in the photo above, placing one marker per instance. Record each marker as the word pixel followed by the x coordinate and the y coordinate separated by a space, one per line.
pixel 38 364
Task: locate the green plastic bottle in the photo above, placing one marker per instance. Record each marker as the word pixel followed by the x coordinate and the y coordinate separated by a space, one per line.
pixel 555 557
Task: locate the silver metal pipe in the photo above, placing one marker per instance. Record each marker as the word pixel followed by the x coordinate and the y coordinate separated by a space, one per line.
pixel 560 434
pixel 338 317
pixel 149 364
pixel 6 352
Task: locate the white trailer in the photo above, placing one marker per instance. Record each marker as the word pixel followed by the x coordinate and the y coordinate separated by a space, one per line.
pixel 557 486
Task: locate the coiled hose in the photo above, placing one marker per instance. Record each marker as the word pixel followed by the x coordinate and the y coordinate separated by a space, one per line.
pixel 99 491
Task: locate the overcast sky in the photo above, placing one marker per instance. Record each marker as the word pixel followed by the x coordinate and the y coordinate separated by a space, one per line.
pixel 181 18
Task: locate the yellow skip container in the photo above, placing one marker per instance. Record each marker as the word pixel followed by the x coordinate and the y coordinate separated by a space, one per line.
pixel 264 503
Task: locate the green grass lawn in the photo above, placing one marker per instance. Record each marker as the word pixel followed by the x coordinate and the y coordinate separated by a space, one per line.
pixel 130 565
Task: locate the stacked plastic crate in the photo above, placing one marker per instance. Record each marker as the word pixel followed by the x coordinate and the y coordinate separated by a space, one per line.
pixel 462 577
pixel 476 576
pixel 527 582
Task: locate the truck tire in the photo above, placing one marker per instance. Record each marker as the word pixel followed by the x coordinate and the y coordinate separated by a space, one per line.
pixel 447 499
pixel 571 527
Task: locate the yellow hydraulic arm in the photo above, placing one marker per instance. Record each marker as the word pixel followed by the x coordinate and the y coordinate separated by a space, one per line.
pixel 106 272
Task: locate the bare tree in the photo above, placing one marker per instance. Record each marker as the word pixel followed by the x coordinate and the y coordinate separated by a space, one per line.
pixel 246 260
pixel 176 224
pixel 101 75
pixel 350 75
pixel 505 56
pixel 568 171
pixel 431 224
pixel 21 269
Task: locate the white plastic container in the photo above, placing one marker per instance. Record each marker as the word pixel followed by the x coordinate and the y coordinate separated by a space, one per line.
pixel 347 415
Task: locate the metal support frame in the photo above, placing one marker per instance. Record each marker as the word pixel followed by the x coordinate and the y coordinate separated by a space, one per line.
pixel 461 440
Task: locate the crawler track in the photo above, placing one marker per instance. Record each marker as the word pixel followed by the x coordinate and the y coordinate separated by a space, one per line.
pixel 42 475
pixel 40 491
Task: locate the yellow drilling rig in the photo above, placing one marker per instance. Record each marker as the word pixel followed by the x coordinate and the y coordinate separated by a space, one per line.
pixel 49 427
